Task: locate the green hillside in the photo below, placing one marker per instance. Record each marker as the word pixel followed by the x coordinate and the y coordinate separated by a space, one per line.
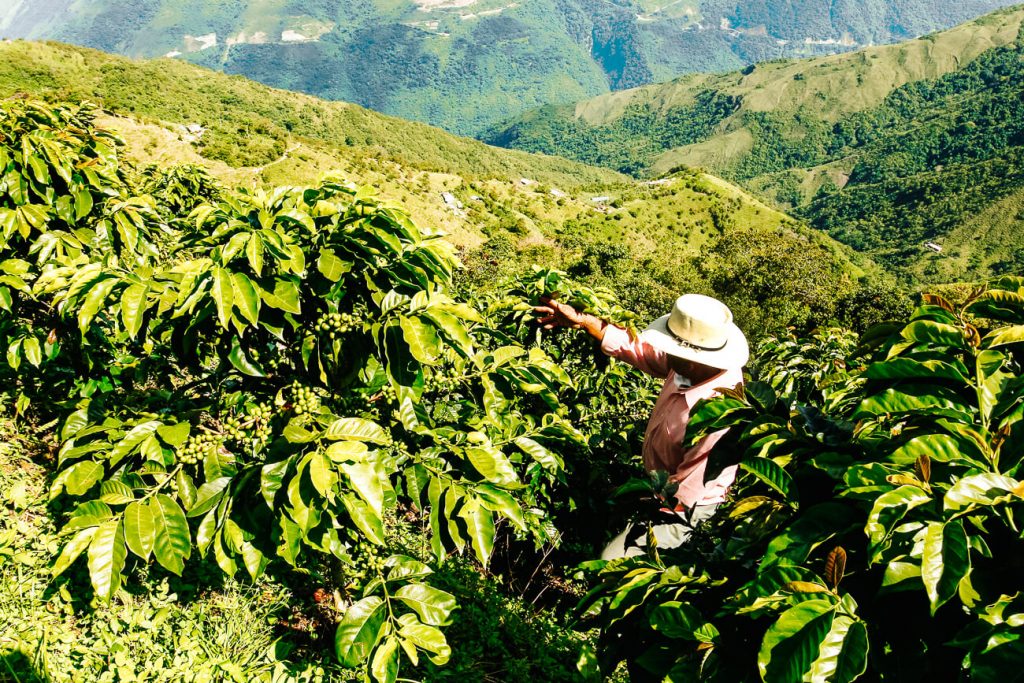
pixel 531 208
pixel 886 149
pixel 230 107
pixel 466 65
pixel 252 132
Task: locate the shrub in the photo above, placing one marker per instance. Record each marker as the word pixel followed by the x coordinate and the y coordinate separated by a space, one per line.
pixel 873 529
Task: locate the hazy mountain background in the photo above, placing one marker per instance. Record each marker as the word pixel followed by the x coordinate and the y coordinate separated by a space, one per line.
pixel 468 64
pixel 912 153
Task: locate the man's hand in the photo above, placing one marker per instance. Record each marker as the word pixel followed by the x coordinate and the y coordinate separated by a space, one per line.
pixel 552 314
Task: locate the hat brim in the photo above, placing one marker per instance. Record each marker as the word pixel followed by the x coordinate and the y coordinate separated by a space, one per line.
pixel 734 354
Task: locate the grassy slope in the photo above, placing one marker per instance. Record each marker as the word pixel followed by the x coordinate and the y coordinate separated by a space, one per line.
pixel 172 630
pixel 828 88
pixel 260 134
pixel 168 90
pixel 203 627
pixel 278 137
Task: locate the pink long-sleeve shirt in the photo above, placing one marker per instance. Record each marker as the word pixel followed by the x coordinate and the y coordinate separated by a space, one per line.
pixel 663 441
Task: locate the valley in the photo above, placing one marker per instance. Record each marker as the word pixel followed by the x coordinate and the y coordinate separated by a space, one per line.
pixel 548 209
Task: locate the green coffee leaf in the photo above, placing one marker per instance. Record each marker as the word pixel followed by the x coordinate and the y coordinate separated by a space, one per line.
pixel 114 492
pixel 209 495
pixel 912 398
pixel 403 567
pixel 245 297
pixel 843 653
pixel 940 334
pixel 172 543
pixel 676 620
pixel 321 473
pixel 791 645
pixel 938 447
pixel 107 554
pixel 357 429
pixel 890 508
pixel 359 631
pixel 223 294
pixel 365 480
pixel 365 519
pixel 82 476
pixel 433 606
pixel 769 472
pixel 981 489
pixel 422 339
pixel 33 353
pixel 426 638
pixel 480 525
pixel 254 252
pixel 72 549
pixel 133 308
pixel 132 440
pixel 332 267
pixel 945 561
pixel 493 465
pixel 502 502
pixel 285 296
pixel 174 435
pixel 139 529
pixel 547 458
pixel 384 666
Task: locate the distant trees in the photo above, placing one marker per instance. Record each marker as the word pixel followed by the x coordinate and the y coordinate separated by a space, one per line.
pixel 775 279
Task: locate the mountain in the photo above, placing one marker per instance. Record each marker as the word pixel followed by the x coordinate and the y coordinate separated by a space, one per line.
pixel 466 65
pixel 175 112
pixel 505 209
pixel 911 153
pixel 172 112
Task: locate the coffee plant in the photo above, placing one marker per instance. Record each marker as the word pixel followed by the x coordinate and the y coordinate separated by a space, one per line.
pixel 874 530
pixel 65 200
pixel 275 377
pixel 279 380
pixel 608 402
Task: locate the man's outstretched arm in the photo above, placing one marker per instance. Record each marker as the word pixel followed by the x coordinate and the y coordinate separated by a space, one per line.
pixel 615 341
pixel 552 314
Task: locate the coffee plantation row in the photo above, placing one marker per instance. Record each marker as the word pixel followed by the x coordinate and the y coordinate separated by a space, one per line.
pixel 277 379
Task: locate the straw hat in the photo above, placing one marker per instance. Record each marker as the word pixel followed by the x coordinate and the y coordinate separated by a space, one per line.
pixel 700 329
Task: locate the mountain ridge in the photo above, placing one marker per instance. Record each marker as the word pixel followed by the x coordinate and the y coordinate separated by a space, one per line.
pixel 249 133
pixel 504 210
pixel 468 64
pixel 764 87
pixel 891 149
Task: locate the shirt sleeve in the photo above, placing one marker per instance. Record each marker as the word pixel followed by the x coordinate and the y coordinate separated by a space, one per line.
pixel 617 343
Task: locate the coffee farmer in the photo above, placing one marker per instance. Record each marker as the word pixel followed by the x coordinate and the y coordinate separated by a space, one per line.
pixel 696 349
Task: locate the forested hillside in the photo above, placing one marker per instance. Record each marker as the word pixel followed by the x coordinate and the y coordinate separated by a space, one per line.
pixel 886 149
pixel 467 64
pixel 525 205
